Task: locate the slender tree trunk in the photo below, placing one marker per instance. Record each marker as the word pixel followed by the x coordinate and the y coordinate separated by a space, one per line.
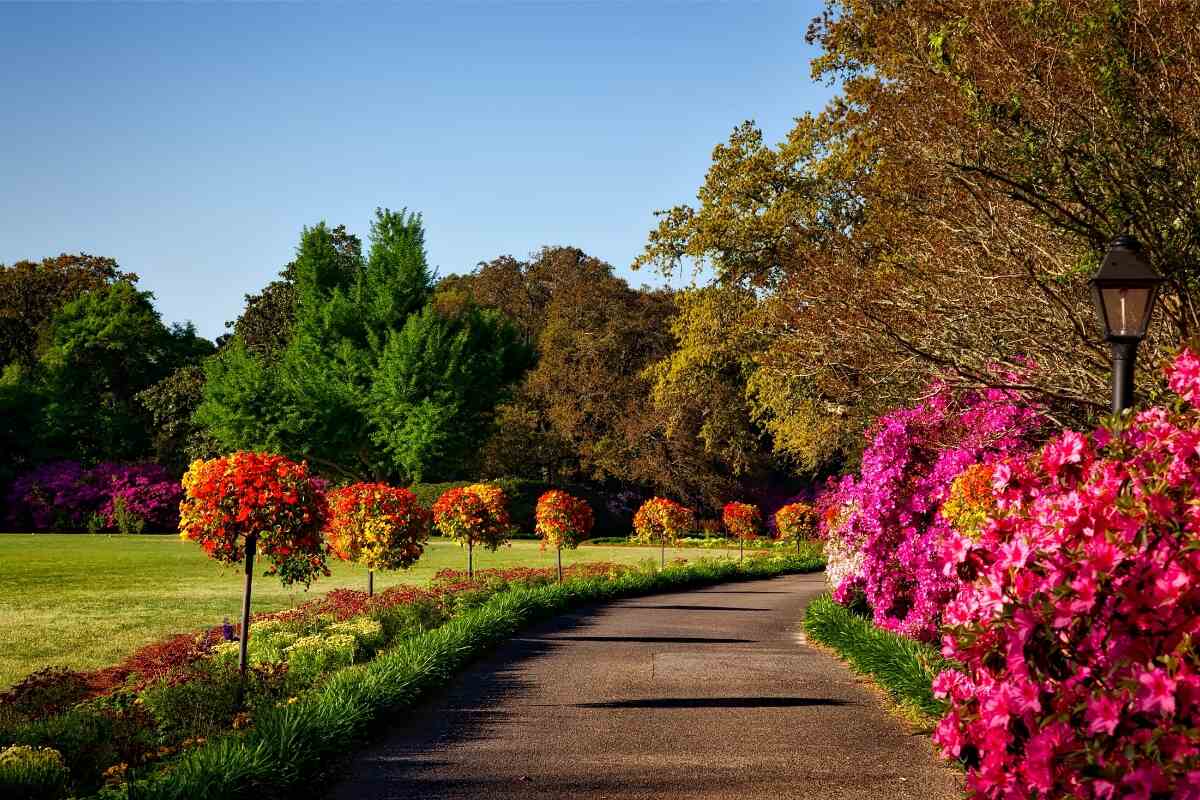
pixel 797 545
pixel 470 560
pixel 370 583
pixel 251 547
pixel 560 565
pixel 663 562
pixel 741 549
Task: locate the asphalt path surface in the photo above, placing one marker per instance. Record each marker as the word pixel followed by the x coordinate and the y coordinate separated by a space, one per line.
pixel 705 694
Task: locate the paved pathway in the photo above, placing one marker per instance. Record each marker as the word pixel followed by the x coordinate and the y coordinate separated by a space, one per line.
pixel 703 694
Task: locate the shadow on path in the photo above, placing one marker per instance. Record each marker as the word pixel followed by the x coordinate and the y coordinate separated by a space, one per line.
pixel 718 702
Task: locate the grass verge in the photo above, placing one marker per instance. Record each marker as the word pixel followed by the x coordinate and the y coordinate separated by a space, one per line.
pixel 288 744
pixel 903 668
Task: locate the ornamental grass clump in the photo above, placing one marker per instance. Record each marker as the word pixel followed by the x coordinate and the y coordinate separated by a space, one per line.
pixel 32 773
pixel 744 523
pixel 378 526
pixel 562 520
pixel 661 521
pixel 796 522
pixel 1076 629
pixel 471 515
pixel 238 503
pixel 882 528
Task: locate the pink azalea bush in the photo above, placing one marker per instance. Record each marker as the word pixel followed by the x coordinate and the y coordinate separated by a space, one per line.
pixel 882 529
pixel 65 496
pixel 1075 628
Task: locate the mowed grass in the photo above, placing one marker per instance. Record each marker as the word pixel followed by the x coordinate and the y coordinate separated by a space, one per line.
pixel 85 601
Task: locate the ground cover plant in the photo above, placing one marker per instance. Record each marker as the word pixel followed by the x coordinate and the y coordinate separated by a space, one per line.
pixel 905 668
pixel 307 699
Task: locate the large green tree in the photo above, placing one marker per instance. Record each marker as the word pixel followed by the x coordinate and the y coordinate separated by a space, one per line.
pixel 945 211
pixel 360 334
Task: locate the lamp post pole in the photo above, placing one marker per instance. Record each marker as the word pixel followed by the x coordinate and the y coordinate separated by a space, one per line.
pixel 1124 356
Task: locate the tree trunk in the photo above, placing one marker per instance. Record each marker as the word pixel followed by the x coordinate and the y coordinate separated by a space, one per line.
pixel 370 583
pixel 741 549
pixel 251 546
pixel 560 565
pixel 470 560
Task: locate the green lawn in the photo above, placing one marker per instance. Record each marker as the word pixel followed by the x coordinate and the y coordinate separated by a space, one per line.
pixel 87 601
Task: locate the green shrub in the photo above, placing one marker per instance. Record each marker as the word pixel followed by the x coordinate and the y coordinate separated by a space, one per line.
pixel 407 619
pixel 904 667
pixel 311 656
pixel 32 773
pixel 367 632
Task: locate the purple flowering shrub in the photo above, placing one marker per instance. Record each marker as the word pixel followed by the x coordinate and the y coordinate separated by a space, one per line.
pixel 1077 623
pixel 65 496
pixel 884 536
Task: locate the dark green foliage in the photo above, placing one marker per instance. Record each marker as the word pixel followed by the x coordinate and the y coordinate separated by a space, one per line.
pixel 102 349
pixel 905 668
pixel 439 379
pixel 361 375
pixel 176 438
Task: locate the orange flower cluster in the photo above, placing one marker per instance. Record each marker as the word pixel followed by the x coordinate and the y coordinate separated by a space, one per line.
pixel 256 494
pixel 376 525
pixel 475 514
pixel 972 501
pixel 742 520
pixel 662 521
pixel 563 520
pixel 796 522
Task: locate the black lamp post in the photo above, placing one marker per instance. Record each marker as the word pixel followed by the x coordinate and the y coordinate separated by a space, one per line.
pixel 1124 290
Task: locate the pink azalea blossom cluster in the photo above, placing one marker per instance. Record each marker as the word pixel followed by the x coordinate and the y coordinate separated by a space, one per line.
pixel 882 527
pixel 1076 625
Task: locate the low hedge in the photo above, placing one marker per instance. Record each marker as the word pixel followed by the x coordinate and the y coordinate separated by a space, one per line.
pixel 904 667
pixel 288 743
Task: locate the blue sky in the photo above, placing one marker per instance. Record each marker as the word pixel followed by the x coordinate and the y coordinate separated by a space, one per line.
pixel 193 142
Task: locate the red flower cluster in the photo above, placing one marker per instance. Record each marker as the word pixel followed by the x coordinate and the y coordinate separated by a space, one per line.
pixel 742 520
pixel 267 496
pixel 473 515
pixel 563 520
pixel 662 521
pixel 379 526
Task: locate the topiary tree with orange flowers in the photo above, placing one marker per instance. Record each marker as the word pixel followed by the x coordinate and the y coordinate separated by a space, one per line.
pixel 744 523
pixel 471 515
pixel 796 522
pixel 662 521
pixel 562 520
pixel 243 503
pixel 378 526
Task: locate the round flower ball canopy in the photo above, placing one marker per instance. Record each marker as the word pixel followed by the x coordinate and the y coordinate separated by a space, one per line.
pixel 743 521
pixel 562 520
pixel 471 515
pixel 378 526
pixel 243 503
pixel 796 522
pixel 662 521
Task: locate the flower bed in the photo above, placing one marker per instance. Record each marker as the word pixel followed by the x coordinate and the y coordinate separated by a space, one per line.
pixel 170 697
